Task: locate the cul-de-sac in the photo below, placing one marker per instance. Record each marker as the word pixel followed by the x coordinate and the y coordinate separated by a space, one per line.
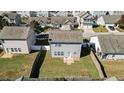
pixel 61 45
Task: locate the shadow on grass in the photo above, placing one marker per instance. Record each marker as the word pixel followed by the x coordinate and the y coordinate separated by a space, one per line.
pixel 85 50
pixel 37 64
pixel 101 66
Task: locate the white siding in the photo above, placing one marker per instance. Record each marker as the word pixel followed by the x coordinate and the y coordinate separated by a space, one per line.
pixel 22 44
pixel 115 56
pixel 96 42
pixel 100 21
pixel 31 39
pixel 66 48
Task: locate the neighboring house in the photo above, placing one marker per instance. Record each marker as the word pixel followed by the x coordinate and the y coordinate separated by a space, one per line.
pixel 58 22
pixel 76 13
pixel 98 13
pixel 85 20
pixel 43 21
pixel 42 13
pixel 60 13
pixel 24 13
pixel 109 46
pixel 68 25
pixel 65 44
pixel 12 18
pixel 116 12
pixel 1 12
pixel 108 20
pixel 17 39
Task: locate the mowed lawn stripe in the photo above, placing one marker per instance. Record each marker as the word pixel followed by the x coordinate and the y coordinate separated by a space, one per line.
pixel 54 67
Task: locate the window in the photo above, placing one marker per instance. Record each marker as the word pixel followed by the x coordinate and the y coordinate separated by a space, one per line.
pixel 15 49
pixel 58 53
pixel 7 49
pixel 12 49
pixel 2 41
pixel 62 53
pixel 19 49
pixel 74 52
pixel 55 53
pixel 57 45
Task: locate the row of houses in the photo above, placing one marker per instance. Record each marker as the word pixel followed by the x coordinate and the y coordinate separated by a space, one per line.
pixel 21 39
pixel 84 19
pixel 62 43
pixel 63 23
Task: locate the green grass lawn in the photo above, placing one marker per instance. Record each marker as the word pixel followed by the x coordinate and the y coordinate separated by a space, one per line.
pixel 100 29
pixel 54 67
pixel 79 30
pixel 115 68
pixel 19 65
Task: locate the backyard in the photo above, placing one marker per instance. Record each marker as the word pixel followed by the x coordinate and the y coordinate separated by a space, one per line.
pixel 18 65
pixel 100 29
pixel 55 68
pixel 115 68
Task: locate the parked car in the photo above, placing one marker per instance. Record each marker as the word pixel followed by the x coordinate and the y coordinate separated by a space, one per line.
pixel 111 28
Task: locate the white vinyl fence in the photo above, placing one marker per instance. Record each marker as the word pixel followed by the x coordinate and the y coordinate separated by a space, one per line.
pixel 37 47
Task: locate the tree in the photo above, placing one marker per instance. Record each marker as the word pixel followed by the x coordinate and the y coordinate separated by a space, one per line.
pixel 36 26
pixel 3 22
pixel 120 22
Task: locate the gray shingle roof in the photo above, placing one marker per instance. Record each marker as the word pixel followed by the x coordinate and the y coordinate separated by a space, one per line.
pixel 66 36
pixel 111 43
pixel 10 15
pixel 43 19
pixel 14 32
pixel 111 19
pixel 62 20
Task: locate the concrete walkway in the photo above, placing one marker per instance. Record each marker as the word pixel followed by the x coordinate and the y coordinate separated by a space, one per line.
pixel 7 55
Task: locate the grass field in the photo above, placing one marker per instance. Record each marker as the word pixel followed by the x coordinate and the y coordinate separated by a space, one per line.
pixel 114 68
pixel 100 29
pixel 19 65
pixel 54 67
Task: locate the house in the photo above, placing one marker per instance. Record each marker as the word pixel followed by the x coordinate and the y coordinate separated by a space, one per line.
pixel 108 20
pixel 116 12
pixel 24 13
pixel 42 13
pixel 98 13
pixel 109 46
pixel 85 20
pixel 58 22
pixel 16 39
pixel 76 13
pixel 12 18
pixel 65 44
pixel 68 25
pixel 43 21
pixel 60 13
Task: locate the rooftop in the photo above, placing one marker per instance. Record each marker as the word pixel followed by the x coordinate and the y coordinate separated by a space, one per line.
pixel 66 36
pixel 14 32
pixel 111 43
pixel 43 19
pixel 62 20
pixel 111 19
pixel 10 15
